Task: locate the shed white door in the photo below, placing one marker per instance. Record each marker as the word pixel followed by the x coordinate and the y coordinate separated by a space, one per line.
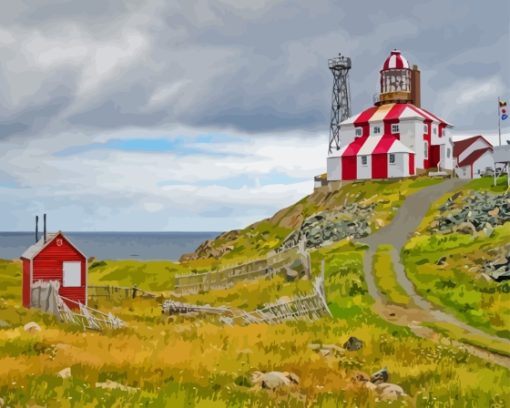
pixel 71 274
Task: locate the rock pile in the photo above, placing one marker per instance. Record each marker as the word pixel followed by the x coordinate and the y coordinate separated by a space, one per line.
pixel 480 211
pixel 499 269
pixel 327 227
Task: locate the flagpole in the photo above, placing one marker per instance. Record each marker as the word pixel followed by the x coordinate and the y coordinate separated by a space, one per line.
pixel 499 120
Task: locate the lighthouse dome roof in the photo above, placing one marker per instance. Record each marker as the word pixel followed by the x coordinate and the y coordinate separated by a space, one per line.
pixel 395 61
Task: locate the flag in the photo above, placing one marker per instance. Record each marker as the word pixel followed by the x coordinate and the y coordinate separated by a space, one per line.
pixel 504 116
pixel 502 104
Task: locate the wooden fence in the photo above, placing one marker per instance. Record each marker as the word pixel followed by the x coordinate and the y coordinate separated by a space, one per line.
pixel 261 268
pixel 46 297
pixel 307 306
pixel 116 292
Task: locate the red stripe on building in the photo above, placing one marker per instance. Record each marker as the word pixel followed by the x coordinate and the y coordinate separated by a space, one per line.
pixel 384 144
pixel 353 148
pixel 350 159
pixel 349 168
pixel 393 116
pixel 379 166
pixel 363 118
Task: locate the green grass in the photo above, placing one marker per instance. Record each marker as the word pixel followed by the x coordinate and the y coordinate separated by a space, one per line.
pixel 458 286
pixel 457 333
pixel 386 279
pixel 197 362
pixel 147 275
pixel 487 184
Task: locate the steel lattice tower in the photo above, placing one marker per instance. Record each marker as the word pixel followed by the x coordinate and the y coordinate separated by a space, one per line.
pixel 341 103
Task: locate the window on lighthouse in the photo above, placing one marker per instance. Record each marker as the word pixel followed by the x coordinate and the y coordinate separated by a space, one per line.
pixel 426 150
pixel 395 128
pixel 359 131
pixel 377 130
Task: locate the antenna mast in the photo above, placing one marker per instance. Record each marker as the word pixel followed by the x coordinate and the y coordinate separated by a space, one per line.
pixel 341 100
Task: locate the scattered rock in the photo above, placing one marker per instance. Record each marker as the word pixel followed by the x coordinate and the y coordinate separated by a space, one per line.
pixel 274 379
pixel 380 376
pixel 441 261
pixel 385 391
pixel 291 274
pixel 466 228
pixel 389 392
pixel 488 230
pixel 498 269
pixel 4 325
pixel 65 373
pixel 112 385
pixel 32 327
pixel 353 344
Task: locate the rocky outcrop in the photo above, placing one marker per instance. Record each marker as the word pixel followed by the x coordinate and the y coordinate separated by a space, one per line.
pixel 479 211
pixel 329 226
pixel 211 249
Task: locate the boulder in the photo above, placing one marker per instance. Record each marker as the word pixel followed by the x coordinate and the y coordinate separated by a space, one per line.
pixel 291 274
pixel 112 385
pixel 353 344
pixel 441 261
pixel 494 212
pixel 65 373
pixel 389 392
pixel 488 229
pixel 32 327
pixel 4 324
pixel 380 376
pixel 466 228
pixel 274 379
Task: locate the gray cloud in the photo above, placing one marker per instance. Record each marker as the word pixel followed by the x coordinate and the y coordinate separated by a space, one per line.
pixel 255 67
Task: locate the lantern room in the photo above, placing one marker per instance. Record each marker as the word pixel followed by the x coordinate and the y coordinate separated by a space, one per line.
pixel 396 80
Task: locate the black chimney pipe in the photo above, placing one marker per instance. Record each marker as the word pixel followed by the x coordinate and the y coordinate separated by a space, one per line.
pixel 36 228
pixel 44 221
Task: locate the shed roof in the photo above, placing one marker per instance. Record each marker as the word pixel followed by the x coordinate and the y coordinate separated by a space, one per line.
pixel 32 251
pixel 473 157
pixel 461 145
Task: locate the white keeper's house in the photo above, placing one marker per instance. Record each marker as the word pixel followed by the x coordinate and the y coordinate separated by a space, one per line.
pixel 396 137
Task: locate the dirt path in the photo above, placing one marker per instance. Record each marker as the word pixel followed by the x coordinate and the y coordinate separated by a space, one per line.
pixel 396 234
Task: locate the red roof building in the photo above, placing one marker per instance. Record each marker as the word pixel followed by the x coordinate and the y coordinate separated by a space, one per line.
pixel 396 116
pixel 472 157
pixel 55 258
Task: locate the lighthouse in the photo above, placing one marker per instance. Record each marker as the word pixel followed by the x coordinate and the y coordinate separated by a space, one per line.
pixel 395 137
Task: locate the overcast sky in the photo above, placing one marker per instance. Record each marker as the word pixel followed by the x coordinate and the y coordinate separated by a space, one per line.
pixel 209 115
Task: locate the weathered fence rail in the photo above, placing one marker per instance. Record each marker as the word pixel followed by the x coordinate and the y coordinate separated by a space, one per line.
pixel 45 296
pixel 310 306
pixel 116 292
pixel 266 267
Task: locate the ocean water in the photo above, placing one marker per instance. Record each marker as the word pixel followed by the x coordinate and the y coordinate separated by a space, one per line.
pixel 115 245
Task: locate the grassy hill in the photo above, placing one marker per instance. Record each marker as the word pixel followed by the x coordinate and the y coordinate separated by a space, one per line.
pixel 195 361
pixel 263 236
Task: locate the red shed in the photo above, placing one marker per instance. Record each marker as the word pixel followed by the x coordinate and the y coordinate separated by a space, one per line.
pixel 56 258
